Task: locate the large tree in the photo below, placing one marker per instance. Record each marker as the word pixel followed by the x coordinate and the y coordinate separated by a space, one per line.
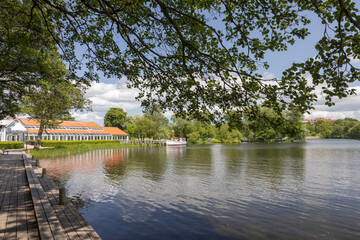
pixel 145 128
pixel 203 58
pixel 52 102
pixel 28 53
pixel 115 117
pixel 156 115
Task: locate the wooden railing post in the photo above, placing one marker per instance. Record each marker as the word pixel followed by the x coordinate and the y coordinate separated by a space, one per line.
pixel 62 196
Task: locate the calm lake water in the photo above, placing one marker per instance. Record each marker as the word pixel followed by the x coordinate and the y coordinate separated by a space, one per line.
pixel 249 191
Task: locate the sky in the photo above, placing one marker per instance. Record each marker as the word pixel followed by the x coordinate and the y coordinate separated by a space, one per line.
pixel 112 92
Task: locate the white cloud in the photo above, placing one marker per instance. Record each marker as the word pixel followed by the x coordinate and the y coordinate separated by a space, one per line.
pixel 105 96
pixel 346 107
pixel 88 117
pixel 269 75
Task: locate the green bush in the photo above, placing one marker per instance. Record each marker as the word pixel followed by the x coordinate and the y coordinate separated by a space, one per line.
pixel 11 145
pixel 53 143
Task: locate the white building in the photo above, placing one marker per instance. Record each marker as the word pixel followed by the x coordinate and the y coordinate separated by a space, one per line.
pixel 22 129
pixel 12 130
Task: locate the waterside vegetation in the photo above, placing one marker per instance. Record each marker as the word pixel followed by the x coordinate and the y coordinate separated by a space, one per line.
pixel 347 128
pixel 269 126
pixel 11 145
pixel 81 147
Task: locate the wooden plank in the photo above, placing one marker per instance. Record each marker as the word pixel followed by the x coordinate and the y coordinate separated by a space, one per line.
pixel 5 205
pixel 66 222
pixel 21 227
pixel 49 227
pixel 43 225
pixel 44 228
pixel 83 229
pixel 29 211
pixel 6 170
pixel 84 225
pixel 13 221
pixel 74 226
pixel 32 228
pixel 10 232
pixel 54 224
pixel 83 232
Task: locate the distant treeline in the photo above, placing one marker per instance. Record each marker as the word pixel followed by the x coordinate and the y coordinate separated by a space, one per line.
pixel 267 126
pixel 341 128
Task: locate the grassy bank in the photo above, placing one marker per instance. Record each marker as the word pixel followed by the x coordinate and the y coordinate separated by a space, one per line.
pixel 60 151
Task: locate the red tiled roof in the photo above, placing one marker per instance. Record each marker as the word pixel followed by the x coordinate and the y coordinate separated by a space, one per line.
pixel 114 131
pixel 104 130
pixel 66 131
pixel 33 130
pixel 98 131
pixel 35 122
pixel 79 124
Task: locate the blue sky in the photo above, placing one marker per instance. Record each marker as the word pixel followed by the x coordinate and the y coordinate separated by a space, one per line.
pixel 112 92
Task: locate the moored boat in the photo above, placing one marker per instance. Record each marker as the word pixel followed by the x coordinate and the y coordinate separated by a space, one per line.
pixel 176 141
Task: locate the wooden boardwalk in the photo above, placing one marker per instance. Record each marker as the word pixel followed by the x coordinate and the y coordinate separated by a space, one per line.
pixel 29 205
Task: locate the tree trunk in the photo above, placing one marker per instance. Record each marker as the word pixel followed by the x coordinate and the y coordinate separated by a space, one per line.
pixel 39 137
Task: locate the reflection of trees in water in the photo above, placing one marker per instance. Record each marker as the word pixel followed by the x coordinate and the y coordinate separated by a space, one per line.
pixel 270 162
pixel 149 160
pixel 234 159
pixel 297 163
pixel 194 161
pixel 276 163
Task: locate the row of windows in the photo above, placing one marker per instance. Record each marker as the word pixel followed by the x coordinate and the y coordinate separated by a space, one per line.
pixel 78 137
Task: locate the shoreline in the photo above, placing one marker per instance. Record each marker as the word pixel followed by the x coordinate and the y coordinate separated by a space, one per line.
pixel 312 137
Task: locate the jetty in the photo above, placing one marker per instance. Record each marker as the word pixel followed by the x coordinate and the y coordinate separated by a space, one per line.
pixel 31 206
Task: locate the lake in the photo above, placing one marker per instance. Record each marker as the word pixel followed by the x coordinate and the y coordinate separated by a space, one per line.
pixel 305 190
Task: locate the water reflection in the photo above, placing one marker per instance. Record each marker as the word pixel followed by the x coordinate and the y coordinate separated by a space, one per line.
pixel 150 161
pixel 191 161
pixel 247 191
pixel 272 165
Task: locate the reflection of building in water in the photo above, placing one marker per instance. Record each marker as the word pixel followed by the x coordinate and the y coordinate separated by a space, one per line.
pixel 176 152
pixel 86 162
pixel 114 158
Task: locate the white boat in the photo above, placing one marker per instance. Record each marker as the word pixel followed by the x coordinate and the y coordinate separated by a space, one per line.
pixel 176 141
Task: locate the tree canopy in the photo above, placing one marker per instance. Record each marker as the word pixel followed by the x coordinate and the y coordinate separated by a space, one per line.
pixel 28 53
pixel 115 117
pixel 204 58
pixel 52 102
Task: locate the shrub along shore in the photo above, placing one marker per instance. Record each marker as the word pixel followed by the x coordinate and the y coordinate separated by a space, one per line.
pixel 11 145
pixel 64 148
